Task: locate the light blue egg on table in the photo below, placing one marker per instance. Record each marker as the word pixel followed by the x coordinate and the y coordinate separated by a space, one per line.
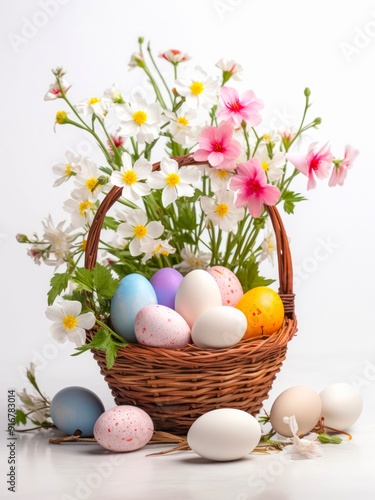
pixel 76 408
pixel 133 293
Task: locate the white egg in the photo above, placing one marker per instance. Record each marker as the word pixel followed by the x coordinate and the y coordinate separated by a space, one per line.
pixel 341 405
pixel 222 326
pixel 198 291
pixel 302 402
pixel 224 434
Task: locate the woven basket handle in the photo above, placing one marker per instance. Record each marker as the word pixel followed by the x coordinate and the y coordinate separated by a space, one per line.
pixel 284 258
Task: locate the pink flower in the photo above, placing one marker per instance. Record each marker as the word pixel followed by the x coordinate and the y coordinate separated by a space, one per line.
pixel 317 162
pixel 235 109
pixel 341 167
pixel 253 190
pixel 218 148
pixel 54 91
pixel 174 56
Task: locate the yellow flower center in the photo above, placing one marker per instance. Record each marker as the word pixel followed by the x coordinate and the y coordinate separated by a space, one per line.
pixel 267 137
pixel 91 183
pixel 140 231
pixel 173 179
pixel 129 177
pixel 193 262
pixel 83 244
pixel 222 174
pixel 93 100
pixel 182 121
pixel 70 322
pixel 68 169
pixel 84 206
pixel 265 166
pixel 61 117
pixel 140 117
pixel 157 250
pixel 196 88
pixel 222 209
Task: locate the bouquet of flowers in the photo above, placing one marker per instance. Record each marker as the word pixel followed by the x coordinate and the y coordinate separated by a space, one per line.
pixel 210 211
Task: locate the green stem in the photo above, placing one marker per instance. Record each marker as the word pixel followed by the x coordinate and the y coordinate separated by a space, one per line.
pixel 159 72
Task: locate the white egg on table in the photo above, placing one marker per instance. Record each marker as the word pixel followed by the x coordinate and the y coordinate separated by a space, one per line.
pixel 224 434
pixel 342 405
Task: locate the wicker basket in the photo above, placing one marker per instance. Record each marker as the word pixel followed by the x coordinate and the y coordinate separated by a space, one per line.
pixel 175 387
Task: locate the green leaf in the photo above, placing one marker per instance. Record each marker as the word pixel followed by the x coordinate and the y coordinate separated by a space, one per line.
pixel 103 341
pixel 290 198
pixel 325 439
pixel 84 279
pixel 104 283
pixel 110 223
pixel 248 274
pixel 20 417
pixel 59 283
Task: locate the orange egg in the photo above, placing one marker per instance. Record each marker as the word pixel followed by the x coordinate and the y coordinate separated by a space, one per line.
pixel 264 311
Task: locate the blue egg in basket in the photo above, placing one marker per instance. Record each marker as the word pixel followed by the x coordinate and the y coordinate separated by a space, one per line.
pixel 133 293
pixel 76 408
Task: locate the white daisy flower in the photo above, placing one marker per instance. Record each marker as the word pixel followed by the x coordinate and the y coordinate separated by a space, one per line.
pixel 219 178
pixel 222 211
pixel 69 323
pixel 98 106
pixel 81 206
pixel 60 242
pixel 272 166
pixel 156 247
pixel 182 126
pixel 67 169
pixel 191 261
pixel 140 120
pixel 175 182
pixel 198 88
pixel 131 177
pixel 87 177
pixel 139 231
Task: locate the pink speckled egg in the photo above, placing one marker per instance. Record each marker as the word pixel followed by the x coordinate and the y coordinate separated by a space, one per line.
pixel 228 283
pixel 159 326
pixel 123 428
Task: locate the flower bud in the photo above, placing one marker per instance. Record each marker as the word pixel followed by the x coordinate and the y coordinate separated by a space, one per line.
pixel 61 117
pixel 307 92
pixel 21 238
pixel 317 121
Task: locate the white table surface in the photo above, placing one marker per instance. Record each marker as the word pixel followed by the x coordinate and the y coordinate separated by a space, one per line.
pixel 87 471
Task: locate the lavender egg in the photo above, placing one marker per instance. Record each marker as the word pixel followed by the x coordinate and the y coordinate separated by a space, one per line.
pixel 165 283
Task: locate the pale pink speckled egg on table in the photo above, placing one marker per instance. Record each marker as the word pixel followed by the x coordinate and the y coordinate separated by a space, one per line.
pixel 229 285
pixel 123 428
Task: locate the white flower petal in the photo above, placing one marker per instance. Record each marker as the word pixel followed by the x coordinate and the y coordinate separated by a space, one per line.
pixel 169 195
pixel 86 320
pixel 155 229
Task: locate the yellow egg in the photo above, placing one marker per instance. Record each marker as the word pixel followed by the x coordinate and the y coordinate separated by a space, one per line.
pixel 264 311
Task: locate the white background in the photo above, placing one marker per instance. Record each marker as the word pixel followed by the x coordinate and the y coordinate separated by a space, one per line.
pixel 284 47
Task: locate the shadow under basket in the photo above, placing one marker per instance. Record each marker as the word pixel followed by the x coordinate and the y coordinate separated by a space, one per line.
pixel 175 387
